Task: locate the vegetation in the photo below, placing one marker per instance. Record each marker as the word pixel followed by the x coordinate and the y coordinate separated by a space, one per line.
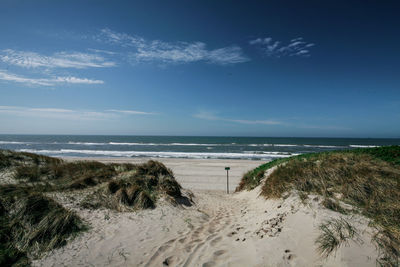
pixel 10 158
pixel 252 178
pixel 31 225
pixel 31 222
pixel 367 179
pixel 66 175
pixel 335 233
pixel 137 190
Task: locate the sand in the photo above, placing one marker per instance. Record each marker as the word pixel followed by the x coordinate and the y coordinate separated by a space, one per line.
pixel 240 229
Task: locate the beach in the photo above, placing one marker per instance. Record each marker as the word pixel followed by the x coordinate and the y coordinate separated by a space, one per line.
pixel 215 229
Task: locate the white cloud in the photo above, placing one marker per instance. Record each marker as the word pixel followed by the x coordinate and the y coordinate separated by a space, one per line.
pixel 296 47
pixel 206 115
pixel 64 113
pixel 101 51
pixel 6 76
pixel 75 80
pixel 56 110
pixel 131 112
pixel 75 60
pixel 211 116
pixel 172 52
pixel 265 122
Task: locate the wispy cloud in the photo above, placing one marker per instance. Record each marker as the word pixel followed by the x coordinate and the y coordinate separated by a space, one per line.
pixel 211 116
pixel 77 60
pixel 206 115
pixel 143 50
pixel 58 113
pixel 131 112
pixel 271 48
pixel 7 76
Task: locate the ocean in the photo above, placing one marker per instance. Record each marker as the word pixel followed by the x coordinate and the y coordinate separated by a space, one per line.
pixel 255 148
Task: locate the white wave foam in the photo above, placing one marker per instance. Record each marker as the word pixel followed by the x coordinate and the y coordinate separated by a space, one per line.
pixel 84 143
pixel 200 155
pixel 271 152
pixel 363 146
pixel 321 146
pixel 14 143
pixel 279 145
pixel 138 144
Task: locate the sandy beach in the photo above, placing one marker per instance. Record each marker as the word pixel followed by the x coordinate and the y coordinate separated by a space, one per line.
pixel 240 229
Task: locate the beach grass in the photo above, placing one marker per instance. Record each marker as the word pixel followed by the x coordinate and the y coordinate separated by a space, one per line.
pixel 367 179
pixel 252 178
pixel 32 222
pixel 137 189
pixel 335 233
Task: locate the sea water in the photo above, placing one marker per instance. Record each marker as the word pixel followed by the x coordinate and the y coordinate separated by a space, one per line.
pixel 256 148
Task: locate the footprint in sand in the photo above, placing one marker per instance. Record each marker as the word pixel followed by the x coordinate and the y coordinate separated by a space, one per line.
pixel 170 261
pixel 215 241
pixel 288 255
pixel 209 264
pixel 232 234
pixel 219 252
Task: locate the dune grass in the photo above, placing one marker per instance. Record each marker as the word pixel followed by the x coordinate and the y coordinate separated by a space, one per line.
pixel 136 190
pixel 367 179
pixel 252 178
pixel 66 175
pixel 335 233
pixel 32 223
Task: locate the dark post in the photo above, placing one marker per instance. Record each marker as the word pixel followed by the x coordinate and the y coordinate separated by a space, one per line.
pixel 227 179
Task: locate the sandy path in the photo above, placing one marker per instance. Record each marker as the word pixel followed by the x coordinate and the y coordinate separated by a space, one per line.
pixel 208 242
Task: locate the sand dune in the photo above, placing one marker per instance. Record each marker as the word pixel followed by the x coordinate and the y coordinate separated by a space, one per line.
pixel 239 229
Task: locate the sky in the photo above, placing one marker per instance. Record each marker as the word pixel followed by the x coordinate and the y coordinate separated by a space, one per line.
pixel 214 68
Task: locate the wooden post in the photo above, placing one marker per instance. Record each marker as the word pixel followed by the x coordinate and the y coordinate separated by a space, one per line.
pixel 227 179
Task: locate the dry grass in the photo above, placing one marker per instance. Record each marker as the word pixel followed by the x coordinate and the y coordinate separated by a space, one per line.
pixel 10 158
pixel 31 223
pixel 363 180
pixel 136 190
pixel 41 224
pixel 66 175
pixel 333 204
pixel 335 233
pixel 252 178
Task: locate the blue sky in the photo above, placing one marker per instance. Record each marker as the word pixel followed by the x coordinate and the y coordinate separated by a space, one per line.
pixel 236 68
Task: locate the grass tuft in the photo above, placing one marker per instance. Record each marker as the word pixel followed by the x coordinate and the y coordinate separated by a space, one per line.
pixel 335 233
pixel 136 190
pixel 40 224
pixel 334 205
pixel 132 193
pixel 144 201
pixel 33 224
